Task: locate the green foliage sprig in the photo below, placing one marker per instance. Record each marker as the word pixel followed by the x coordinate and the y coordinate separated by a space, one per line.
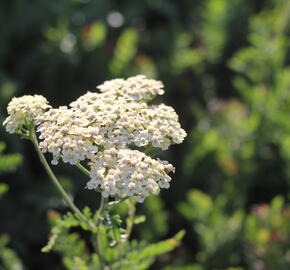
pixel 115 170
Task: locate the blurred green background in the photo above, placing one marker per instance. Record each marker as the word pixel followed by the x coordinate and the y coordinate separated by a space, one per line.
pixel 225 66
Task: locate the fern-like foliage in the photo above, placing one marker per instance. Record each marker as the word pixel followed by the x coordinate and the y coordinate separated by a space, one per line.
pixel 118 255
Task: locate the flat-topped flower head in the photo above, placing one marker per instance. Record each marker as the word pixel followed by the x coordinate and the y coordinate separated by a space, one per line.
pixel 24 110
pixel 124 122
pixel 102 127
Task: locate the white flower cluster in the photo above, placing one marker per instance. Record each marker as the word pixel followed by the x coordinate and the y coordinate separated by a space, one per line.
pixel 67 135
pixel 23 109
pixel 121 122
pixel 101 128
pixel 129 173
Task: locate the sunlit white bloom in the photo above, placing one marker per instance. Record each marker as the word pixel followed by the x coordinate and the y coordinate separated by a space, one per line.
pixel 101 128
pixel 121 122
pixel 25 109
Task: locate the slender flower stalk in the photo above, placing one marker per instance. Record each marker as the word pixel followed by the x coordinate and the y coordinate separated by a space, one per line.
pixel 83 169
pixel 98 220
pixel 130 220
pixel 55 181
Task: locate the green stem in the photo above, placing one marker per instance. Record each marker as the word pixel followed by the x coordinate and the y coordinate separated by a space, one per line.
pixel 130 219
pixel 56 183
pixel 83 169
pixel 98 220
pixel 101 210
